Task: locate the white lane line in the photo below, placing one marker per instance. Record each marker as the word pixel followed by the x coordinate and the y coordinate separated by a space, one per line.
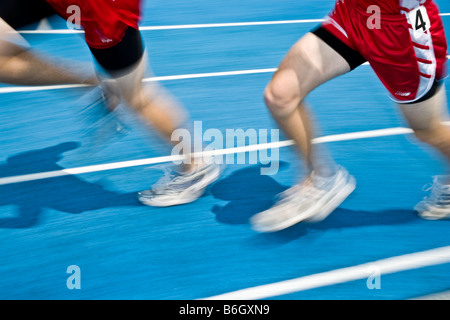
pixel 363 271
pixel 52 31
pixel 230 24
pixel 165 159
pixel 210 74
pixel 185 26
pixel 15 89
pixel 87 169
pixel 193 26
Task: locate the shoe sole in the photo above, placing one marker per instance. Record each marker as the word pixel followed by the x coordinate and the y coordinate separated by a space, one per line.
pixel 426 214
pixel 175 202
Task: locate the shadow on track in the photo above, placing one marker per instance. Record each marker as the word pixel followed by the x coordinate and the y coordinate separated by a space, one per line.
pixel 67 193
pixel 248 192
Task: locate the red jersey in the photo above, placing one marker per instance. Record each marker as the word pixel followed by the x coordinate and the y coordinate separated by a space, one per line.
pixel 407 54
pixel 104 21
pixel 391 6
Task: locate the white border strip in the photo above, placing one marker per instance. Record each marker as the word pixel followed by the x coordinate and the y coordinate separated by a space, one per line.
pixel 385 266
pixel 193 26
pixel 166 159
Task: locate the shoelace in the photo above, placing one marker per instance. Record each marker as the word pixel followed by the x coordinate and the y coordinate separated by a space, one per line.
pixel 440 194
pixel 304 192
pixel 173 180
pixel 170 178
pixel 427 187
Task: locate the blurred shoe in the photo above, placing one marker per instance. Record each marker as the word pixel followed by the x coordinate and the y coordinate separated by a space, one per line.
pixel 177 188
pixel 437 205
pixel 101 122
pixel 311 201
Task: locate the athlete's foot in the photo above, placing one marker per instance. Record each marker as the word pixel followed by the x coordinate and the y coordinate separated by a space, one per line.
pixel 312 201
pixel 177 188
pixel 437 205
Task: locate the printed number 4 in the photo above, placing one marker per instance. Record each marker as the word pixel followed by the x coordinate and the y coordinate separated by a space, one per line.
pixel 420 23
pixel 419 19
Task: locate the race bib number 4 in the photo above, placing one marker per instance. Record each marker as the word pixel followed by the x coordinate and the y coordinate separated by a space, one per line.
pixel 419 19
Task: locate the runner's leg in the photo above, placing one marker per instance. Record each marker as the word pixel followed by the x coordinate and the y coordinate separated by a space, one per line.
pixel 126 63
pixel 155 105
pixel 309 63
pixel 426 119
pixel 21 65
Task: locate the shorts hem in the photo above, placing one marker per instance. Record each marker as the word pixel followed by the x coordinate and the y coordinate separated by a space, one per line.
pixel 353 57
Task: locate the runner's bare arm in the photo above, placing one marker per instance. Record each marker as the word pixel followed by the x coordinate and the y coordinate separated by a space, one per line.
pixel 21 66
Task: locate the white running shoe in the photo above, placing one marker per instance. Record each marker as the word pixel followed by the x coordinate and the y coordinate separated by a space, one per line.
pixel 311 201
pixel 177 188
pixel 437 205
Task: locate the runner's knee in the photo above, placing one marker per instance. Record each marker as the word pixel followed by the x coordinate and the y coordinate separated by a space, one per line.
pixel 437 136
pixel 135 98
pixel 282 95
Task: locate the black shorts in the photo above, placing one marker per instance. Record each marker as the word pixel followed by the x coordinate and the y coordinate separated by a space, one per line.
pixel 353 57
pixel 21 13
pixel 123 55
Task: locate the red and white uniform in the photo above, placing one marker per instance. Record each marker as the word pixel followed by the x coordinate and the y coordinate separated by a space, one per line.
pixel 104 21
pixel 407 56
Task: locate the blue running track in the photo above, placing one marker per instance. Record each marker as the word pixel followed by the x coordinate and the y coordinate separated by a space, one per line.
pixel 125 250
